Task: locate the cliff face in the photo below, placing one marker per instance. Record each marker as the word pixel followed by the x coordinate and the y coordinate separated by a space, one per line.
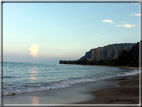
pixel 107 52
pixel 136 49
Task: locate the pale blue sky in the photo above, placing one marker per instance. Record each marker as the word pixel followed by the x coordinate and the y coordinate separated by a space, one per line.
pixel 66 30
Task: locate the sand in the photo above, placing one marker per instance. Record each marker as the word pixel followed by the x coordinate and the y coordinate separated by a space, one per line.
pixel 127 93
pixel 70 95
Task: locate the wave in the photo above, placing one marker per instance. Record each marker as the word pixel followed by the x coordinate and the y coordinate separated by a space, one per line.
pixel 56 85
pixel 35 88
pixel 8 77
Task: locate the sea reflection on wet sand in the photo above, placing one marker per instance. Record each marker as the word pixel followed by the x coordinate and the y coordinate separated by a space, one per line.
pixel 34 100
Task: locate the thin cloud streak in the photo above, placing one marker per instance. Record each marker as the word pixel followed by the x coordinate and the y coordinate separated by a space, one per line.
pixel 126 25
pixel 129 25
pixel 118 25
pixel 109 21
pixel 134 14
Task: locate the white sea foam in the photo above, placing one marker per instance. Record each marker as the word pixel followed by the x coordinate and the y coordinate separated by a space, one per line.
pixel 57 85
pixel 132 72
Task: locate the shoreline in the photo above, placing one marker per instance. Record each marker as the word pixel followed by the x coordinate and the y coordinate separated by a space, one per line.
pixel 85 93
pixel 127 93
pixel 123 67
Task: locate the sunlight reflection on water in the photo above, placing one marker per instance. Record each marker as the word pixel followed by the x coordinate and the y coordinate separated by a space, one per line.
pixel 33 73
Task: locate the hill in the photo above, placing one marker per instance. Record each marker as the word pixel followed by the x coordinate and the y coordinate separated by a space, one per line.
pixel 126 54
pixel 107 52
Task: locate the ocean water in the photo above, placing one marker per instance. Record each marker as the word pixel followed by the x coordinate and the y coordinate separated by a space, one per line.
pixel 26 77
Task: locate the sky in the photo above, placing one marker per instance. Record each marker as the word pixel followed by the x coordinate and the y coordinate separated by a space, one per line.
pixel 48 32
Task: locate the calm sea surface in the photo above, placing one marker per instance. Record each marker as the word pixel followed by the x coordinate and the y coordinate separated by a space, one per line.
pixel 21 77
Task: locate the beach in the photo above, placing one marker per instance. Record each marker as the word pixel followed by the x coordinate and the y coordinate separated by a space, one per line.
pixel 114 90
pixel 110 93
pixel 127 93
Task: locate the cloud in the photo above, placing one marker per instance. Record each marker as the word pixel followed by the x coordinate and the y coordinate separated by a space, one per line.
pixel 109 21
pixel 134 14
pixel 34 50
pixel 118 25
pixel 126 25
pixel 129 25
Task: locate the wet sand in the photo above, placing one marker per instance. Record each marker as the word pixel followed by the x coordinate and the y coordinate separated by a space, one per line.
pixel 127 93
pixel 70 95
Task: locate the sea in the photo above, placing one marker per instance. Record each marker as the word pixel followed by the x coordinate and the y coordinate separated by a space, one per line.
pixel 28 77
